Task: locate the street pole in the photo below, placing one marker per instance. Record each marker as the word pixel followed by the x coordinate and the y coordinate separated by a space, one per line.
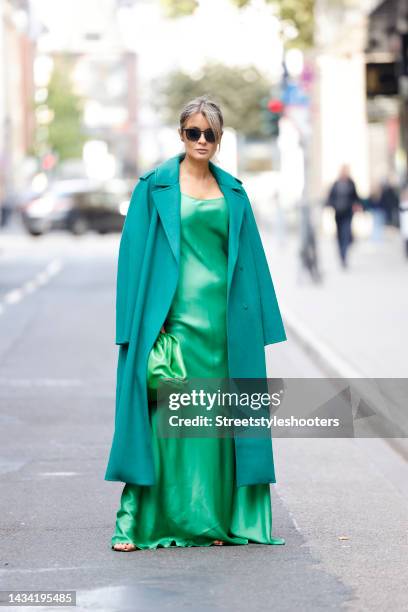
pixel 297 105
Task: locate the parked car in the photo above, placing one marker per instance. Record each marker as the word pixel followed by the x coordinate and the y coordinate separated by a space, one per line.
pixel 79 206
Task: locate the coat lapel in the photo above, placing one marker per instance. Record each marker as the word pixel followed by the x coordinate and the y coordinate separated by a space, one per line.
pixel 167 199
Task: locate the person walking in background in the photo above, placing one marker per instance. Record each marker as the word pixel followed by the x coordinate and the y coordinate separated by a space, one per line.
pixel 376 206
pixel 344 199
pixel 7 206
pixel 389 202
pixel 403 218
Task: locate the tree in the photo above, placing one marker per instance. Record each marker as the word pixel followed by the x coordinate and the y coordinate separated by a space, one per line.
pixel 179 8
pixel 295 13
pixel 237 90
pixel 62 131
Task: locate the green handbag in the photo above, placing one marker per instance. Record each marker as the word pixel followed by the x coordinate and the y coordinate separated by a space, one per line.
pixel 165 366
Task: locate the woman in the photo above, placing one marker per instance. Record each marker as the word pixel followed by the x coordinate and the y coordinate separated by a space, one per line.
pixel 190 496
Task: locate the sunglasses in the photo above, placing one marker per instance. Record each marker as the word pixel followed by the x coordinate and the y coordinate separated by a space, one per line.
pixel 194 134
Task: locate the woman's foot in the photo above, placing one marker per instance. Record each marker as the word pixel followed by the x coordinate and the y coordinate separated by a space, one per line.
pixel 125 546
pixel 218 542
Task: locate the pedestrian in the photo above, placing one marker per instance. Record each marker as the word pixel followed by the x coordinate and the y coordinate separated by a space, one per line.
pixel 389 201
pixel 7 207
pixel 403 218
pixel 191 267
pixel 376 206
pixel 344 199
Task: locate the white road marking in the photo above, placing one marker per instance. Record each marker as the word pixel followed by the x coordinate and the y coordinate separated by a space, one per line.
pixel 40 569
pixel 41 382
pixel 58 474
pixel 42 278
pixel 12 297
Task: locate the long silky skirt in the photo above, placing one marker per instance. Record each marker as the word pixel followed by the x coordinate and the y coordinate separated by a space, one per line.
pixel 195 499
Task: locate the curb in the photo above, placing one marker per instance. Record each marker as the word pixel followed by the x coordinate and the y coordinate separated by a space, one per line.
pixel 337 367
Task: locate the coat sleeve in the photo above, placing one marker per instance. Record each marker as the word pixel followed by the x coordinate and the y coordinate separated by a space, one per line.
pixel 130 258
pixel 272 323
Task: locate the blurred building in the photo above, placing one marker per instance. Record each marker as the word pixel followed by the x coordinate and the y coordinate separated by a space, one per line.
pixel 18 33
pixel 340 129
pixel 360 92
pixel 387 84
pixel 103 71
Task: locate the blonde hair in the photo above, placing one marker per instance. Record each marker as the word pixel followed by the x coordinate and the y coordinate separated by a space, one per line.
pixel 210 110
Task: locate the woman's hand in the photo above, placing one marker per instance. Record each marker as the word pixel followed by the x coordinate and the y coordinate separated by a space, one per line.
pixel 163 330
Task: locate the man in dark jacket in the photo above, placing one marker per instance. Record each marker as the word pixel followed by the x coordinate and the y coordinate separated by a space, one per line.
pixel 344 199
pixel 389 202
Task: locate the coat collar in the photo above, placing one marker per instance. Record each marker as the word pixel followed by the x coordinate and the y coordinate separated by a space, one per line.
pixel 168 173
pixel 167 198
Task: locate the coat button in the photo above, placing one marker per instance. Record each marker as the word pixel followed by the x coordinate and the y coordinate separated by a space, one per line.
pixel 245 306
pixel 241 267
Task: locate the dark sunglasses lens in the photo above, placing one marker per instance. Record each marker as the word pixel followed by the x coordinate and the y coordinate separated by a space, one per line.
pixel 193 134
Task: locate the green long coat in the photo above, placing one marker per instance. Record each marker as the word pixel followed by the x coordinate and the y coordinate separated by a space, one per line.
pixel 147 276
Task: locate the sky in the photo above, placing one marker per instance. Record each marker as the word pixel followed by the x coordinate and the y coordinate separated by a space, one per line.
pixel 218 30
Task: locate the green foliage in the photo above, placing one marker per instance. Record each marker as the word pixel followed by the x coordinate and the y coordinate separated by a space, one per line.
pixel 296 13
pixel 63 135
pixel 299 13
pixel 237 90
pixel 178 8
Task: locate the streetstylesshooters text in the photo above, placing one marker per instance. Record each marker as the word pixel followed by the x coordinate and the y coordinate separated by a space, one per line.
pixel 254 401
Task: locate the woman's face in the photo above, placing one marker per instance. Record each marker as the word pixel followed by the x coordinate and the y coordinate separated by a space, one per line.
pixel 201 149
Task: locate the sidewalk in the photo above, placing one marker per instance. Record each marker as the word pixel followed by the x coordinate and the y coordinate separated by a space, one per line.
pixel 357 315
pixel 353 324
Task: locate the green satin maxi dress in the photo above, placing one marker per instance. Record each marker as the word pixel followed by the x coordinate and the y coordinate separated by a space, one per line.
pixel 195 499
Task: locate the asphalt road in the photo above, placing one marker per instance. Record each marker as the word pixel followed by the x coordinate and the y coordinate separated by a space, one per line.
pixel 341 504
